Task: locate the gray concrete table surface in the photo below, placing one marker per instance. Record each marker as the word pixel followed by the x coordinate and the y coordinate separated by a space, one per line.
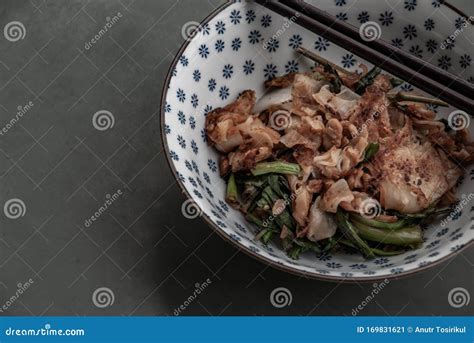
pixel 140 257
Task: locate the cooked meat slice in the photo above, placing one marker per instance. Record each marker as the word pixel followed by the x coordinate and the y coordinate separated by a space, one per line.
pixel 315 185
pixel 332 136
pixel 420 111
pixel 244 103
pixel 336 163
pixel 372 113
pixel 224 166
pixel 257 146
pixel 246 160
pixel 222 123
pixel 281 81
pixel 382 82
pixel 413 173
pixel 337 193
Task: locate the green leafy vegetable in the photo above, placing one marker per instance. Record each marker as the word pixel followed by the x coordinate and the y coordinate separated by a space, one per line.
pixel 279 167
pixel 370 151
pixel 379 224
pixel 366 80
pixel 405 236
pixel 350 233
pixel 232 194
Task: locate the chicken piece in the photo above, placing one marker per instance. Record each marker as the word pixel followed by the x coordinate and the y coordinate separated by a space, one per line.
pixel 222 123
pixel 414 174
pixel 337 193
pixel 336 162
pixel 257 146
pixel 382 82
pixel 281 81
pixel 332 134
pixel 420 111
pixel 371 113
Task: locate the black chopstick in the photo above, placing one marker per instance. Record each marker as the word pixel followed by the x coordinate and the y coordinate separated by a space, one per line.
pixel 394 67
pixel 458 84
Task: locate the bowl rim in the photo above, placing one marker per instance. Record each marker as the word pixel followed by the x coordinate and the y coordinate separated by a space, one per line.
pixel 246 250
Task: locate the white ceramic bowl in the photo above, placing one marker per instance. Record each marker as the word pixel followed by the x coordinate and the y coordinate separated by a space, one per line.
pixel 234 51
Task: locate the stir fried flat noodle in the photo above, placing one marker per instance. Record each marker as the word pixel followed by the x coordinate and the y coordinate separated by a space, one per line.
pixel 418 162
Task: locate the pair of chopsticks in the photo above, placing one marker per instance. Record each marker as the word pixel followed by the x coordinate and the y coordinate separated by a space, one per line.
pixel 433 80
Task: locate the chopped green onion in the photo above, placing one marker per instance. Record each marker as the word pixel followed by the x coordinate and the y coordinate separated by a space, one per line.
pixel 351 234
pixel 366 80
pixel 405 236
pixel 279 167
pixel 379 224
